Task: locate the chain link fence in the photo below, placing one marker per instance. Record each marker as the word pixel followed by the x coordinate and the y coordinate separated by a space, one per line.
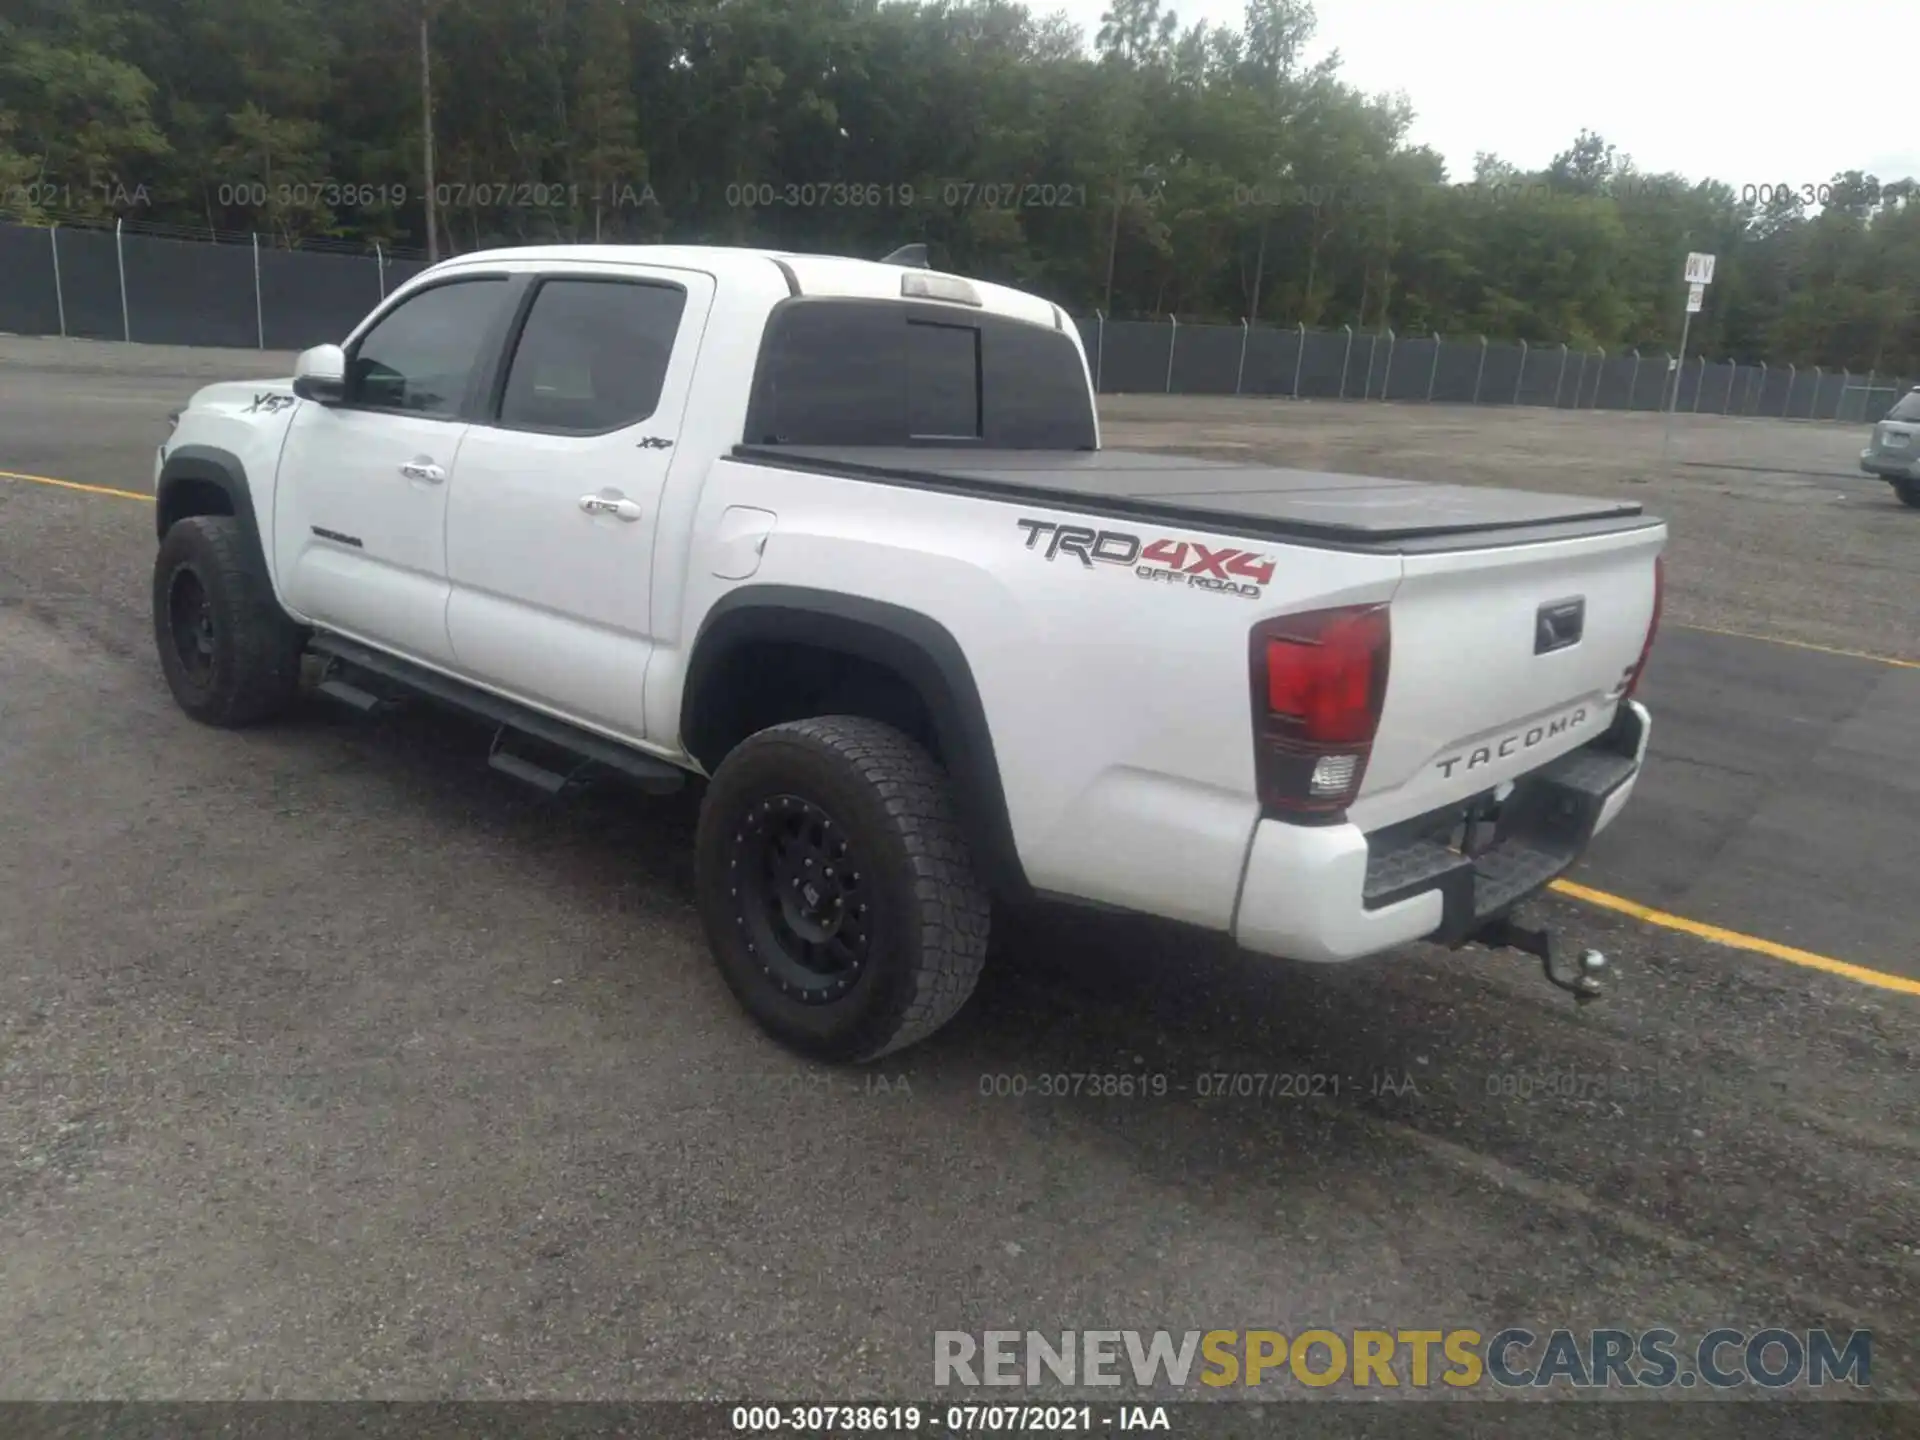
pixel 1167 357
pixel 161 289
pixel 164 289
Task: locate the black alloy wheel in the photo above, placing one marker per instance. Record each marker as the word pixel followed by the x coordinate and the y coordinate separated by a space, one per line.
pixel 798 884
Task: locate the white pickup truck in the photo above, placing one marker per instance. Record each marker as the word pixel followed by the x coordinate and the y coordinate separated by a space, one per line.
pixel 837 539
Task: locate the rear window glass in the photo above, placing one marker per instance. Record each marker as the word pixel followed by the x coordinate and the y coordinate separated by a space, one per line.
pixel 881 372
pixel 1907 407
pixel 943 381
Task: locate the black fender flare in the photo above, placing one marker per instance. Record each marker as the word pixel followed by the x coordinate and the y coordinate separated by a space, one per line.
pixel 192 466
pixel 915 647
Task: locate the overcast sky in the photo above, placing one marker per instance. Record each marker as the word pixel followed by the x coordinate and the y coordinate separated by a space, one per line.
pixel 1781 93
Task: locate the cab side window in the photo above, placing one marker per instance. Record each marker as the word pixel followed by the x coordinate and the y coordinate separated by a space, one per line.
pixel 592 355
pixel 421 356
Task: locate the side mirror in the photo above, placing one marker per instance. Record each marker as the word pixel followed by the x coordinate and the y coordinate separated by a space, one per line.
pixel 320 375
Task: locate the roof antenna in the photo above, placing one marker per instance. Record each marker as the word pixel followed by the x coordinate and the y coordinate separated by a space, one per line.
pixel 913 256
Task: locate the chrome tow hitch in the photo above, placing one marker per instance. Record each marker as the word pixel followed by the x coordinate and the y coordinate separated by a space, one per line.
pixel 1580 978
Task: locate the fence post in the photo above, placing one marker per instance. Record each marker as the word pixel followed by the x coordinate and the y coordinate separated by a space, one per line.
pixel 1481 372
pixel 1813 405
pixel 1345 357
pixel 120 260
pixel 1840 400
pixel 1173 338
pixel 1434 372
pixel 1699 384
pixel 380 266
pixel 259 314
pixel 1759 391
pixel 1240 375
pixel 1866 400
pixel 1599 375
pixel 1099 347
pixel 1386 375
pixel 1299 357
pixel 1520 375
pixel 1561 378
pixel 59 295
pixel 1786 406
pixel 1633 378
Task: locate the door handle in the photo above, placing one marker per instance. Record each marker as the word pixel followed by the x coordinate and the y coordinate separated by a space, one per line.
pixel 620 507
pixel 423 470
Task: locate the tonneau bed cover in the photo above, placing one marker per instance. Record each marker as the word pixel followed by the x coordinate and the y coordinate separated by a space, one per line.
pixel 1314 507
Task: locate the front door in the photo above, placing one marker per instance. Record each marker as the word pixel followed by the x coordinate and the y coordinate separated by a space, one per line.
pixel 551 525
pixel 360 510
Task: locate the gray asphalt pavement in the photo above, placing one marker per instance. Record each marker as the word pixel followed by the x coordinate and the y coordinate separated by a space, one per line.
pixel 332 1064
pixel 1779 799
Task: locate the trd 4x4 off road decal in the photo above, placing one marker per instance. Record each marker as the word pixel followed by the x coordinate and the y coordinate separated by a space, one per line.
pixel 1186 563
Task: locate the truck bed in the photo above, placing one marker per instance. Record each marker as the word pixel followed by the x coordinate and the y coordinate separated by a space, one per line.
pixel 1346 512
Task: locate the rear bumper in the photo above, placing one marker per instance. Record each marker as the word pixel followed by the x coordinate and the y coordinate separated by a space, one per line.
pixel 1334 892
pixel 1889 465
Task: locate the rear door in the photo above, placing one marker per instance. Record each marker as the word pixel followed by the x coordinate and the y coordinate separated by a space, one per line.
pixel 1503 658
pixel 551 526
pixel 360 506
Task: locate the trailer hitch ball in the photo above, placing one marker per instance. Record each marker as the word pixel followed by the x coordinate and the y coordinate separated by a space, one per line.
pixel 1580 978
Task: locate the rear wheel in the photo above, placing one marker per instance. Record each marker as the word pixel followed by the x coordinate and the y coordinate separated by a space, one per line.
pixel 836 888
pixel 1908 491
pixel 230 654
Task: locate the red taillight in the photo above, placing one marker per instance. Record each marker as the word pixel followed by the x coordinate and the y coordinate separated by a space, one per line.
pixel 1653 626
pixel 1319 681
pixel 1320 672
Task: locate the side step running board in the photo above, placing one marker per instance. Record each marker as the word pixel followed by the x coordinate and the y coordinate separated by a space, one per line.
pixel 530 772
pixel 347 693
pixel 654 776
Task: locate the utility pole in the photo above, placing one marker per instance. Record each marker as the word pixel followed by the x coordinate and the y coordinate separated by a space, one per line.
pixel 426 132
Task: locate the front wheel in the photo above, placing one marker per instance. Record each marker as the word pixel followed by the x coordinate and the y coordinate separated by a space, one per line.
pixel 1908 491
pixel 230 654
pixel 837 890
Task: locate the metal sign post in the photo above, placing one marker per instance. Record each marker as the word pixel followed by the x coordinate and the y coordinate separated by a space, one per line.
pixel 1698 275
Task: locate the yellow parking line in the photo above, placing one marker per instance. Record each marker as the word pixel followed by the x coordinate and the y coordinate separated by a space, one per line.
pixel 1860 974
pixel 1802 645
pixel 75 485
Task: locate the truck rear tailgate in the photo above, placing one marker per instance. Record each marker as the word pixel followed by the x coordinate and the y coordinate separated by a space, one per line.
pixel 1503 658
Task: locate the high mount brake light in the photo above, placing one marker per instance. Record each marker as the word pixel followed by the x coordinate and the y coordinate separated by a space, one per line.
pixel 1653 627
pixel 1319 681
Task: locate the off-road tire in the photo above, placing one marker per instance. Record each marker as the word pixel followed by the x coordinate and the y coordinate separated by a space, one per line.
pixel 1908 491
pixel 242 664
pixel 926 917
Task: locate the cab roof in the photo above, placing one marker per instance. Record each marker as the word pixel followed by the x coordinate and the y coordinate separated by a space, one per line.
pixel 838 276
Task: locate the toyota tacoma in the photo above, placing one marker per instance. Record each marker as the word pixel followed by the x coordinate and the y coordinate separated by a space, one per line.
pixel 836 540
